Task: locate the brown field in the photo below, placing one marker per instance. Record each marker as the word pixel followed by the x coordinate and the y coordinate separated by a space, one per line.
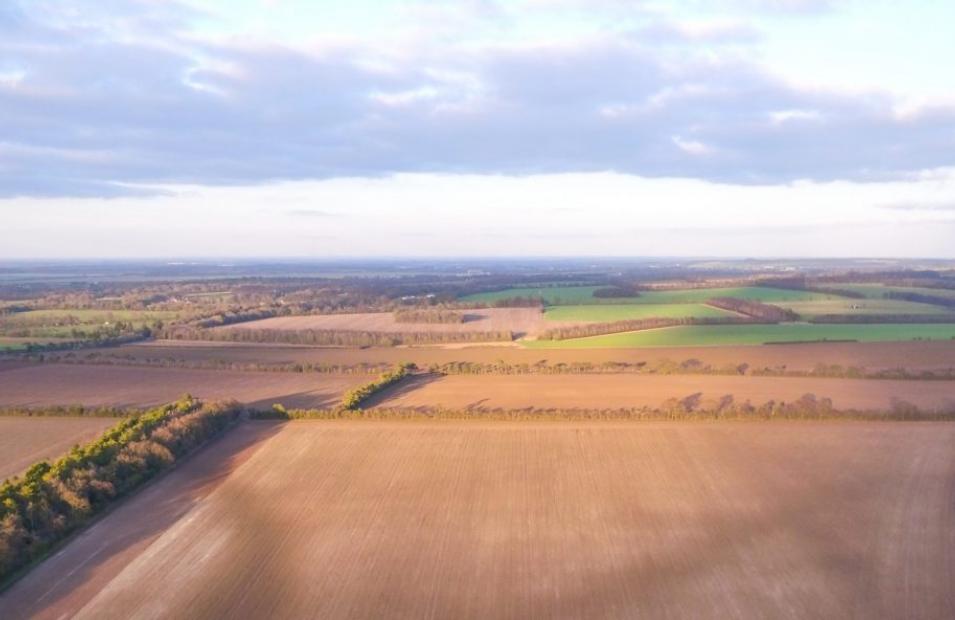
pixel 25 441
pixel 871 355
pixel 615 391
pixel 518 520
pixel 119 386
pixel 521 321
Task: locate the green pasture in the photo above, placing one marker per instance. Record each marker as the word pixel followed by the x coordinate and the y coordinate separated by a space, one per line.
pixel 579 295
pixel 715 335
pixel 875 291
pixel 606 313
pixel 810 309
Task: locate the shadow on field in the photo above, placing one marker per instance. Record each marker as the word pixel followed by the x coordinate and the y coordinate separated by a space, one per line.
pixel 411 384
pixel 65 582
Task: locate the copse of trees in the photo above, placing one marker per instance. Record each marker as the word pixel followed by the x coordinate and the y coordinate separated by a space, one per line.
pixel 353 399
pixel 610 292
pixel 519 302
pixel 428 316
pixel 763 313
pixel 52 500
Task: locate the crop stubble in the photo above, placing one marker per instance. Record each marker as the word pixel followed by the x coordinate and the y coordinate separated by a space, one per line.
pixel 477 520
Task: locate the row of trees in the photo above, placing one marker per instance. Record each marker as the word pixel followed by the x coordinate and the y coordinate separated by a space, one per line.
pixel 52 500
pixel 763 313
pixel 101 359
pixel 328 337
pixel 427 315
pixel 690 407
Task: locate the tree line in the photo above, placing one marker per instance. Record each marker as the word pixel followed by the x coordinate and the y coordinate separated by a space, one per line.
pixel 355 398
pixel 329 337
pixel 690 407
pixel 52 500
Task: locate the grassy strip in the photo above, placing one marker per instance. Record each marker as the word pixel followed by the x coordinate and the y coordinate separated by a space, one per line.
pixel 67 411
pixel 51 501
pixel 809 407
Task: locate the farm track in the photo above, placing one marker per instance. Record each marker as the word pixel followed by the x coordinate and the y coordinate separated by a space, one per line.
pixel 516 520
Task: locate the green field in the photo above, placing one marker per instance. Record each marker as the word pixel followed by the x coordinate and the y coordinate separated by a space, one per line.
pixel 621 312
pixel 875 291
pixel 861 307
pixel 61 323
pixel 756 293
pixel 714 335
pixel 578 295
pixel 17 344
pixel 553 295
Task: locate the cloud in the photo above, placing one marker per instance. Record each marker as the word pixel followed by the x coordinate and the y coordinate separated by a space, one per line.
pixel 103 96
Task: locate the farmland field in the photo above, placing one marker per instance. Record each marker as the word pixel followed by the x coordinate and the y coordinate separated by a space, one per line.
pixel 620 312
pixel 65 384
pixel 584 295
pixel 711 335
pixel 16 344
pixel 862 306
pixel 923 355
pixel 27 440
pixel 620 391
pixel 517 520
pixel 875 291
pixel 518 320
pixel 61 323
pixel 553 295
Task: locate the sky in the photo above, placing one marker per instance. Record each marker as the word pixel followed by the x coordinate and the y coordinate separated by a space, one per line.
pixel 320 128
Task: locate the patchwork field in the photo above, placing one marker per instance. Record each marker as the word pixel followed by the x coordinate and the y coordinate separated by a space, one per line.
pixel 471 520
pixel 862 306
pixel 576 295
pixel 878 290
pixel 66 384
pixel 518 320
pixel 25 441
pixel 923 355
pixel 712 335
pixel 61 323
pixel 619 312
pixel 616 391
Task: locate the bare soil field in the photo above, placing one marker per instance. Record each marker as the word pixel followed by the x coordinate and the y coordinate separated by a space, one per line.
pixel 616 391
pixel 518 520
pixel 119 386
pixel 25 441
pixel 871 355
pixel 521 321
